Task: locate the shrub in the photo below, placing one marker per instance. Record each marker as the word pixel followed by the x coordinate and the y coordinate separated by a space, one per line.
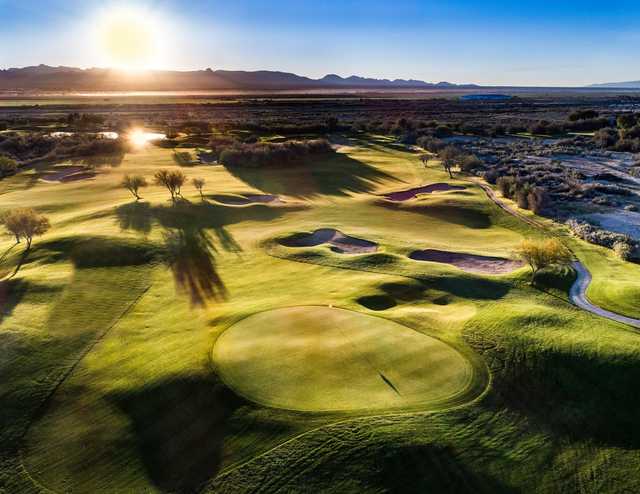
pixel 605 137
pixel 272 154
pixel 537 199
pixel 470 162
pixel 583 115
pixel 540 254
pixel 626 120
pixel 506 186
pixel 431 144
pixel 623 249
pixel 7 166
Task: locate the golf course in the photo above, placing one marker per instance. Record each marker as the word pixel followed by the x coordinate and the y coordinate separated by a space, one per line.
pixel 359 322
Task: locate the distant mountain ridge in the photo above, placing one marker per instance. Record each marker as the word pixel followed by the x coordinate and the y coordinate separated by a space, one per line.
pixel 44 77
pixel 618 85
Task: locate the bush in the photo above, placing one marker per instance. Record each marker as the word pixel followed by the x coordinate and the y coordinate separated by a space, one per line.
pixel 7 166
pixel 626 120
pixel 506 186
pixel 540 254
pixel 623 249
pixel 583 115
pixel 269 154
pixel 431 144
pixel 605 137
pixel 596 236
pixel 470 162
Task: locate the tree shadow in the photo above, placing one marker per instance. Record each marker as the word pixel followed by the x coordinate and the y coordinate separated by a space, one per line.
pixel 135 216
pixel 180 426
pixel 467 286
pixel 113 160
pixel 572 394
pixel 190 254
pixel 335 175
pixel 11 293
pixel 408 469
pixel 189 233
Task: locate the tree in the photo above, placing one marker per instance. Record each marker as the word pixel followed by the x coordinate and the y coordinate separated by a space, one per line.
pixel 425 158
pixel 173 180
pixel 198 183
pixel 25 223
pixel 449 156
pixel 7 166
pixel 133 183
pixel 470 162
pixel 539 254
pixel 626 120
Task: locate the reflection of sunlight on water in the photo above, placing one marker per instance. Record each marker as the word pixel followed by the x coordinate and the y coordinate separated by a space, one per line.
pixel 139 138
pixel 106 135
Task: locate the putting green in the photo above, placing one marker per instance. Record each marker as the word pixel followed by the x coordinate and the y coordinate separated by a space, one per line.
pixel 322 358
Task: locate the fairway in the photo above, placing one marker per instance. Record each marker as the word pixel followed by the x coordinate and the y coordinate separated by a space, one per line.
pixel 326 358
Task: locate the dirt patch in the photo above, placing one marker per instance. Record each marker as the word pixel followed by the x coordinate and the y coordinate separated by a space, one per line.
pixel 341 243
pixel 468 262
pixel 244 199
pixel 69 174
pixel 405 195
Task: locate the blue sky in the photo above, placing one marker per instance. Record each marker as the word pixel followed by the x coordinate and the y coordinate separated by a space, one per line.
pixel 493 42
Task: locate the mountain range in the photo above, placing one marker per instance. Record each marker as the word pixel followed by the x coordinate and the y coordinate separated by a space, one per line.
pixel 47 78
pixel 618 85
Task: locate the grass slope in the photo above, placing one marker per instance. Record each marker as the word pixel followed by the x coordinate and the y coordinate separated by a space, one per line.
pixel 107 331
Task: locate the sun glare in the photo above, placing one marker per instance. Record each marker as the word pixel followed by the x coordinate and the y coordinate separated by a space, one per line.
pixel 129 39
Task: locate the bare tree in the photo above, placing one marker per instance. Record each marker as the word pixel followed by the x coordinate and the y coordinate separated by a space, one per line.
pixel 198 183
pixel 425 158
pixel 25 223
pixel 449 157
pixel 133 183
pixel 173 180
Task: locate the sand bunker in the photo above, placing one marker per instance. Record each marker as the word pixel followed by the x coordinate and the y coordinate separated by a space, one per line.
pixel 468 262
pixel 244 199
pixel 69 174
pixel 344 244
pixel 405 195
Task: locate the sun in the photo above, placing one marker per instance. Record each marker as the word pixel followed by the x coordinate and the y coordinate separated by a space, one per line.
pixel 129 39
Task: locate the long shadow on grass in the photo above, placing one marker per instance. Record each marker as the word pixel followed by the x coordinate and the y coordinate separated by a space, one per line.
pixel 189 233
pixel 573 394
pixel 11 293
pixel 417 469
pixel 334 175
pixel 458 214
pixel 190 253
pixel 180 426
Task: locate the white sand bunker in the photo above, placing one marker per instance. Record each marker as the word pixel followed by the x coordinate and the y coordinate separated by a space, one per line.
pixel 244 199
pixel 468 262
pixel 341 243
pixel 405 195
pixel 69 174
